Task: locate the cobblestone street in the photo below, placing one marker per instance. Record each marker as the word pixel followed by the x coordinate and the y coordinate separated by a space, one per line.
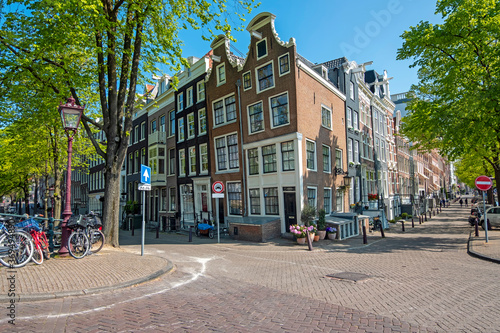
pixel 418 281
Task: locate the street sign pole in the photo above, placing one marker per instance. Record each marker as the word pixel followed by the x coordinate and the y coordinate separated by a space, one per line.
pixel 218 229
pixel 484 183
pixel 485 217
pixel 143 221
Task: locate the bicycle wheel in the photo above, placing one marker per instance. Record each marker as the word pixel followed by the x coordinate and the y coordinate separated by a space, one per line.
pixel 37 255
pixel 96 240
pixel 20 249
pixel 78 244
pixel 211 233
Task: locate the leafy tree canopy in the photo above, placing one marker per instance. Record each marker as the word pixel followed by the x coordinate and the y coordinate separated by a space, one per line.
pixel 455 107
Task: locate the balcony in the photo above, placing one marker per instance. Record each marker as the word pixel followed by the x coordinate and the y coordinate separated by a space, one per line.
pixel 157 137
pixel 158 179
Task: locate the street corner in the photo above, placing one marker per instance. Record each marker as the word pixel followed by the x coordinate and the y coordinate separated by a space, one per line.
pixel 110 269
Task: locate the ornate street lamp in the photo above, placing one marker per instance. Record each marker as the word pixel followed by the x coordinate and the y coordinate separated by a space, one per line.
pixel 70 116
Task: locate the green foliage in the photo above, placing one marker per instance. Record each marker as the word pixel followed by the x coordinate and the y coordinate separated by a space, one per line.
pixel 404 216
pixel 308 214
pixel 132 207
pixel 455 106
pixel 321 219
pixel 98 52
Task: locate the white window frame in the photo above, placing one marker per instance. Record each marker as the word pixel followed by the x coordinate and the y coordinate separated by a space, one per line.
pixel 341 166
pixel 220 81
pixel 201 112
pixel 315 189
pixel 339 195
pixel 182 171
pixel 327 189
pixel 189 97
pixel 193 127
pixel 180 101
pixel 351 92
pixel 257 77
pixel 349 117
pixel 356 151
pixel 279 64
pixel 191 159
pixel 329 126
pixel 249 119
pixel 263 40
pixel 203 171
pixel 198 91
pixel 349 151
pixel 271 109
pixel 329 169
pixel 225 122
pixel 314 156
pixel 179 127
pixel 243 80
pixel 228 164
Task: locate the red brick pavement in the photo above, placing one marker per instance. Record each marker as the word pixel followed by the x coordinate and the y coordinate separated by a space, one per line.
pixel 422 278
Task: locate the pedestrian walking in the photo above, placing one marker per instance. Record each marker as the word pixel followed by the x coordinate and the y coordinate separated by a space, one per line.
pixel 461 202
pixel 466 204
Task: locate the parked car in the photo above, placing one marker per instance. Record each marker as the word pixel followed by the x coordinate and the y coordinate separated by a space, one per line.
pixel 493 216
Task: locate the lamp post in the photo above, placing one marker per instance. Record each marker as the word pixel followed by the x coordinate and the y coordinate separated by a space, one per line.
pixel 70 116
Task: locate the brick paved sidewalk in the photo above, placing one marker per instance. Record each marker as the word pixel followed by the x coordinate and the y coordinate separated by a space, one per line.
pixel 109 269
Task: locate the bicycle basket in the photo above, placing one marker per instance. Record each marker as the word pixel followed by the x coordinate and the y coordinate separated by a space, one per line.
pixel 28 225
pixel 75 222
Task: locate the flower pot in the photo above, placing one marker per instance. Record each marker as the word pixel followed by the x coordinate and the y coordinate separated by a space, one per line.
pixel 316 238
pixel 311 235
pixel 301 240
pixel 322 234
pixel 332 235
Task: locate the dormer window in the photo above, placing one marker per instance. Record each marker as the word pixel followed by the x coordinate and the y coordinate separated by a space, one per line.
pixel 262 49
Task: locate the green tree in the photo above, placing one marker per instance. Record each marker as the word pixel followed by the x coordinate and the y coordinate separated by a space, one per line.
pixel 455 106
pixel 107 47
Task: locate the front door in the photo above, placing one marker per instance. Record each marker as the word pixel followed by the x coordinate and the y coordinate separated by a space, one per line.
pixel 290 210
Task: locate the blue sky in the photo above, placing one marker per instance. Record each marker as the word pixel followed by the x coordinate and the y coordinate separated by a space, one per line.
pixel 328 29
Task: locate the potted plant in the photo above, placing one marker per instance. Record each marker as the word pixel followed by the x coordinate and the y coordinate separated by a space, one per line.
pixel 312 232
pixel 299 231
pixel 321 224
pixel 404 216
pixel 331 232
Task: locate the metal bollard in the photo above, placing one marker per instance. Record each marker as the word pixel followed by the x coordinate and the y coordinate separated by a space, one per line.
pixel 190 234
pixel 365 240
pixel 425 217
pixel 412 223
pixel 382 230
pixel 476 227
pixel 158 232
pixel 309 241
pixel 403 225
pixel 132 229
pixel 50 233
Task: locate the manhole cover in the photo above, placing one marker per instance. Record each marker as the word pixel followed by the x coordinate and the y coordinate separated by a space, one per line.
pixel 350 276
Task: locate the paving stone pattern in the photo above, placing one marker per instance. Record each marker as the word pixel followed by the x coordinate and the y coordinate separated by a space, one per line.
pixel 418 281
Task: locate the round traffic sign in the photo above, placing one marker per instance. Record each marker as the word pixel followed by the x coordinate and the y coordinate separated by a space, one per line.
pixel 218 187
pixel 483 183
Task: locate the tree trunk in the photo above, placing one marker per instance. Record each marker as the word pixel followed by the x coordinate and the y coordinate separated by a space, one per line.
pixel 497 179
pixel 116 152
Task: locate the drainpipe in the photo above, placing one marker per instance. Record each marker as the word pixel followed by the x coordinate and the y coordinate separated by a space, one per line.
pixel 238 85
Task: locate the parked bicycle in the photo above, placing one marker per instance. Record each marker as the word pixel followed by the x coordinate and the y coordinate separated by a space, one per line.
pixel 40 242
pixel 86 236
pixel 16 246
